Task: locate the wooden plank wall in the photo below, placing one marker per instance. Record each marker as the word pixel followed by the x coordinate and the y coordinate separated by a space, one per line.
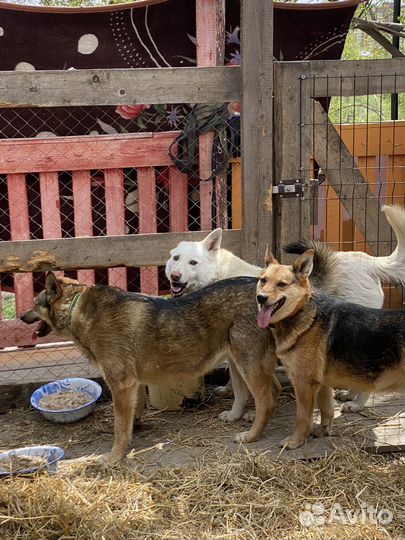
pixel 129 151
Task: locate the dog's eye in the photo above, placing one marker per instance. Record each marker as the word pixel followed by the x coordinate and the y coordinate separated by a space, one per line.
pixel 176 258
pixel 193 263
pixel 282 285
pixel 263 280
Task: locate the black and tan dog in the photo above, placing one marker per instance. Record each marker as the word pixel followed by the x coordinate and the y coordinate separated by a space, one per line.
pixel 136 339
pixel 324 342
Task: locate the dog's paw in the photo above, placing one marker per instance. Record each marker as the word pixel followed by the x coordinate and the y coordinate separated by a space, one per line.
pixel 351 406
pixel 291 442
pixel 249 416
pixel 224 391
pixel 344 395
pixel 243 436
pixel 109 459
pixel 229 416
pixel 320 431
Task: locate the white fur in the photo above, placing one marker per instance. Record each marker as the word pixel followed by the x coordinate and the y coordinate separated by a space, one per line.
pixel 358 275
pixel 213 262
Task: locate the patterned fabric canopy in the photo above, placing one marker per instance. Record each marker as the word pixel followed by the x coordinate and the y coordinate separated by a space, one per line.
pixel 154 33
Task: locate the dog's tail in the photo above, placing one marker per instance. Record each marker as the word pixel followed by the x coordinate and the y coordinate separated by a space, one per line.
pixel 325 267
pixel 392 268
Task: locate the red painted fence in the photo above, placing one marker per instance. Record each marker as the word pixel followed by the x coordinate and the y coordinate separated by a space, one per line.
pixel 79 156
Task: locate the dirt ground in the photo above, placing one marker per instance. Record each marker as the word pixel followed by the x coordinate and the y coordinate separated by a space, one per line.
pixel 175 438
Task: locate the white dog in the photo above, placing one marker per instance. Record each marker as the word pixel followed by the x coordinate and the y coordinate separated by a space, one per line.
pixel 356 278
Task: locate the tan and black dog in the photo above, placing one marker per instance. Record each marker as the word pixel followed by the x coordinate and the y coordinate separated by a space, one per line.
pixel 136 340
pixel 324 342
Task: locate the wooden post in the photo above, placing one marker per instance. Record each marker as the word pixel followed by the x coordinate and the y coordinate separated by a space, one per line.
pixel 115 218
pixel 257 127
pixel 292 140
pixel 81 183
pixel 20 230
pixel 210 24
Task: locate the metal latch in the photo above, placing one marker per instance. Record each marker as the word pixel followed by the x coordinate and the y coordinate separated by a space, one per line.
pixel 289 188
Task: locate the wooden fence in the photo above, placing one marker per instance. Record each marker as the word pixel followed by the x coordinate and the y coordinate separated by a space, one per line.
pixel 116 251
pixel 302 131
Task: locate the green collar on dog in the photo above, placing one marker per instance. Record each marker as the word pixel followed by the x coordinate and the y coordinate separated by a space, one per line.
pixel 73 303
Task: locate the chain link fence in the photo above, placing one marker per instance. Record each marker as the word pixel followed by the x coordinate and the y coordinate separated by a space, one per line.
pixel 185 176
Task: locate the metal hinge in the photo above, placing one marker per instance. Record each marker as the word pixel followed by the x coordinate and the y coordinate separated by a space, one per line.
pixel 289 188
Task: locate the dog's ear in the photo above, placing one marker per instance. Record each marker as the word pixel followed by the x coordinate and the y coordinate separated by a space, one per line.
pixel 269 258
pixel 52 287
pixel 303 266
pixel 212 242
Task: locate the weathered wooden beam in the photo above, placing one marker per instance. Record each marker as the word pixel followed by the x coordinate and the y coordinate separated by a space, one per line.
pixel 87 87
pixel 291 153
pixel 351 187
pixel 350 77
pixel 85 153
pixel 99 252
pixel 257 132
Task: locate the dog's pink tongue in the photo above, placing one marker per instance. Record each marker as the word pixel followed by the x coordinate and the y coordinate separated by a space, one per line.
pixel 264 316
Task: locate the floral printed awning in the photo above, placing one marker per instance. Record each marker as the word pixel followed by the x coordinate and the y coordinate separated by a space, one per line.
pixel 144 34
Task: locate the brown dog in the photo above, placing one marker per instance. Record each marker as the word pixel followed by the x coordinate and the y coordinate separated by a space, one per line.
pixel 324 342
pixel 136 339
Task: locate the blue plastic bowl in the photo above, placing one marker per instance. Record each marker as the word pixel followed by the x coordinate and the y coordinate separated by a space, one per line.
pixel 52 454
pixel 86 386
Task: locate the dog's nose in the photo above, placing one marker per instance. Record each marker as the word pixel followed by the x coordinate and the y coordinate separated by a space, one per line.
pixel 261 299
pixel 175 276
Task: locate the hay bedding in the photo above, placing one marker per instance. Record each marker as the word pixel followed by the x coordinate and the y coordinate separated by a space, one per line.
pixel 245 495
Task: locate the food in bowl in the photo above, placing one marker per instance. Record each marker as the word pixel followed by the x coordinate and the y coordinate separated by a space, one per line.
pixel 62 397
pixel 15 463
pixel 64 400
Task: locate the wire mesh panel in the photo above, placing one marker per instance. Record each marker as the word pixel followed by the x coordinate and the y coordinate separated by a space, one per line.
pixel 108 185
pixel 357 162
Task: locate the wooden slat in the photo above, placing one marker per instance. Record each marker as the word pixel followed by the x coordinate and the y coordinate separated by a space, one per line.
pixel 146 180
pixel 178 200
pixel 85 153
pixel 81 183
pixel 100 252
pixel 15 333
pixel 50 205
pixel 350 77
pixel 87 87
pixel 115 218
pixel 20 230
pixel 210 21
pixel 257 122
pixel 236 193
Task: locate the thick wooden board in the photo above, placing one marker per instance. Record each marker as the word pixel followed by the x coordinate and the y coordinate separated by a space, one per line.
pixel 210 29
pixel 85 153
pixel 178 200
pixel 87 87
pixel 99 252
pixel 257 132
pixel 147 222
pixel 115 218
pixel 81 184
pixel 15 333
pixel 327 78
pixel 20 230
pixel 288 159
